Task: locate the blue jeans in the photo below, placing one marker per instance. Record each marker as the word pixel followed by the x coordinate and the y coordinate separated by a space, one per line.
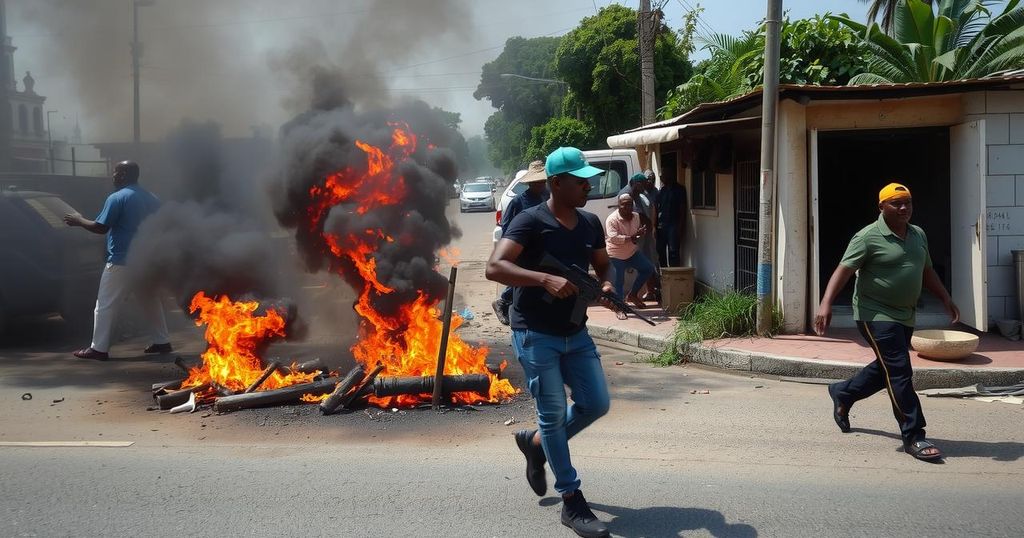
pixel 551 363
pixel 644 270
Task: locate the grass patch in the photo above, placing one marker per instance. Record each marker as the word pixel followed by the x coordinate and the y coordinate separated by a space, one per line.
pixel 713 315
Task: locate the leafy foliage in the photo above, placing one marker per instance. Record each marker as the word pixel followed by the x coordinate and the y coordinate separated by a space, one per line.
pixel 559 132
pixel 600 61
pixel 885 8
pixel 957 39
pixel 812 51
pixel 714 315
pixel 522 104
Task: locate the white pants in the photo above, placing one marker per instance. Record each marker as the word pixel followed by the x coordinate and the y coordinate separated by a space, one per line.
pixel 113 291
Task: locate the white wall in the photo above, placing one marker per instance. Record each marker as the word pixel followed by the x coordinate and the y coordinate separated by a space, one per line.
pixel 710 245
pixel 1003 112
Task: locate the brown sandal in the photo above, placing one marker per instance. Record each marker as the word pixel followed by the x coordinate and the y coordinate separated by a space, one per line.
pixel 90 353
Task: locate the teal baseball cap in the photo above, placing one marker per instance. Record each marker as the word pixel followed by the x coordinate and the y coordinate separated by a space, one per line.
pixel 569 161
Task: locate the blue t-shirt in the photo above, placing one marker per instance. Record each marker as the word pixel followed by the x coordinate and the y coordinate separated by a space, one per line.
pixel 122 213
pixel 523 201
pixel 538 231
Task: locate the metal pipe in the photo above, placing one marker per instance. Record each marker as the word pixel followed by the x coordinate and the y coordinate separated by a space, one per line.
pixel 442 352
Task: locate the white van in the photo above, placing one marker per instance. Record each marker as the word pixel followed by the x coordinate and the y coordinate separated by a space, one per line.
pixel 619 166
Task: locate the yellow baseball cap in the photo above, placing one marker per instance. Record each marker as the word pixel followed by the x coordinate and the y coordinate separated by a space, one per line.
pixel 893 190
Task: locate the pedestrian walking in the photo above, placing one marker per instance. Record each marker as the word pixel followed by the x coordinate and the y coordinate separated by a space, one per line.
pixel 553 351
pixel 122 213
pixel 625 229
pixel 536 193
pixel 671 221
pixel 891 260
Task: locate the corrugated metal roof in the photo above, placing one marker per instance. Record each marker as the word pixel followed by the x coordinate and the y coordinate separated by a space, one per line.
pixel 862 91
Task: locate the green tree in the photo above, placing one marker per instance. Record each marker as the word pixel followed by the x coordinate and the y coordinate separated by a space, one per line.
pixel 558 132
pixel 522 104
pixel 818 50
pixel 599 60
pixel 958 40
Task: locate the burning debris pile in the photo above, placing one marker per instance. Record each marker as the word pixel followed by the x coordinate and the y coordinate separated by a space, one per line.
pixel 366 200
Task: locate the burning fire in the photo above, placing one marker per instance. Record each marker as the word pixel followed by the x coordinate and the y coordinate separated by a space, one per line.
pixel 235 337
pixel 406 343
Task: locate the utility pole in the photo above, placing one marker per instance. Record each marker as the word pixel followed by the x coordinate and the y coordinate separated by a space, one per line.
pixel 769 103
pixel 646 32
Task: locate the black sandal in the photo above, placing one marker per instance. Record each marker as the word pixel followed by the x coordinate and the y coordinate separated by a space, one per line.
pixel 842 419
pixel 917 449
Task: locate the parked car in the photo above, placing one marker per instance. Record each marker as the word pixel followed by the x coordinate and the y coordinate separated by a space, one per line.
pixel 477 196
pixel 619 166
pixel 46 266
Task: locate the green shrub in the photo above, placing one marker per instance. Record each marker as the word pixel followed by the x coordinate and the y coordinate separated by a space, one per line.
pixel 713 315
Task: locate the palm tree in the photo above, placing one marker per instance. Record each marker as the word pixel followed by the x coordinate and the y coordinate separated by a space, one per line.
pixel 961 41
pixel 887 8
pixel 719 79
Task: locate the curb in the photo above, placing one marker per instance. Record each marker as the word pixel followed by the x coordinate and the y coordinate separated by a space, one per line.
pixel 760 363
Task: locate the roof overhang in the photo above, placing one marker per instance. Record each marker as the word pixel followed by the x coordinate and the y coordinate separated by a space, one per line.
pixel 660 135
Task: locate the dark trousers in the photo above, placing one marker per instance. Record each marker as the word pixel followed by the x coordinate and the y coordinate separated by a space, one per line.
pixel 890 371
pixel 668 238
pixel 506 295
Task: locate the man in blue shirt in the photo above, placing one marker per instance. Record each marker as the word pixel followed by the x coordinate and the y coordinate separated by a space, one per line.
pixel 553 350
pixel 120 218
pixel 536 193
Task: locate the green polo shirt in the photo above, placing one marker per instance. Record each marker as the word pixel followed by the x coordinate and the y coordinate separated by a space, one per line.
pixel 889 272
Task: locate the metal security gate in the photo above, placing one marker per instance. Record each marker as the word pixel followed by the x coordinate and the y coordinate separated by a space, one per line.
pixel 747 201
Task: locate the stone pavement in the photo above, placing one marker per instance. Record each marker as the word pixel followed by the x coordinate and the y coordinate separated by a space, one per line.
pixel 838 355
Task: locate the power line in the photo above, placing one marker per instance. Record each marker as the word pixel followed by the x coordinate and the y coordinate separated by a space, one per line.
pixel 700 20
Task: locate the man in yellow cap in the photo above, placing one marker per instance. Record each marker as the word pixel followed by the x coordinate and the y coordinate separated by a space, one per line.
pixel 891 260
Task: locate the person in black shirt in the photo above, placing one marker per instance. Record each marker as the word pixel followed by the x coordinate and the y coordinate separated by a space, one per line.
pixel 536 193
pixel 553 351
pixel 671 221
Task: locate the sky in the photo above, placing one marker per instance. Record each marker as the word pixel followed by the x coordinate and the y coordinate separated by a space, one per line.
pixel 245 64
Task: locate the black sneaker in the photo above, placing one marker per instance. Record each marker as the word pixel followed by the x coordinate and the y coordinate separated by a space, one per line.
pixel 158 348
pixel 501 311
pixel 535 461
pixel 576 515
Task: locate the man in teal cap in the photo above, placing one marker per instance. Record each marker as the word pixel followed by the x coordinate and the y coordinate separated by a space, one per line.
pixel 553 350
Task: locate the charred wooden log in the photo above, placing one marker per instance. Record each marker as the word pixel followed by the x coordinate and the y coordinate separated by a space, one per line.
pixel 367 383
pixel 336 399
pixel 178 397
pixel 274 397
pixel 394 386
pixel 267 372
pixel 166 386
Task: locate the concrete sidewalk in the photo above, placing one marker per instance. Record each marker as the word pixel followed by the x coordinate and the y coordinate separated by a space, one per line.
pixel 838 355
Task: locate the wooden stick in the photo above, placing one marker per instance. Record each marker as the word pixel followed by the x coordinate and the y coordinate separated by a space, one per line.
pixel 331 404
pixel 442 352
pixel 267 372
pixel 274 397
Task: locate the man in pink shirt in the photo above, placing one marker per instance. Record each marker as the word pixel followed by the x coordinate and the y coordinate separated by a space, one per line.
pixel 624 231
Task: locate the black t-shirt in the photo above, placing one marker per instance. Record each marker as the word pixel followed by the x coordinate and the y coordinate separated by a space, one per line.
pixel 537 230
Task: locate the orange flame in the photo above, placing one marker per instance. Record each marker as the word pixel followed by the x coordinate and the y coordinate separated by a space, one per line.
pixel 406 343
pixel 234 336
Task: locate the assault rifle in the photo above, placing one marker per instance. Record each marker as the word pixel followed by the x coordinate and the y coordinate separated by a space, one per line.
pixel 590 290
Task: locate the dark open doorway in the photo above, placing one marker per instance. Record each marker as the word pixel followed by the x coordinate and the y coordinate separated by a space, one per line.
pixel 854 165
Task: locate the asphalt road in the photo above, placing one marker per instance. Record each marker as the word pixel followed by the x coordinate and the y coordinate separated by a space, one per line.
pixel 752 457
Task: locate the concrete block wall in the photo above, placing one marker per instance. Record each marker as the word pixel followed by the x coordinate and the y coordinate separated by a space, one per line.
pixel 1003 112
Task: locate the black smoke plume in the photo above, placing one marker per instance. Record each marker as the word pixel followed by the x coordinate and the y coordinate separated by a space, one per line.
pixel 321 142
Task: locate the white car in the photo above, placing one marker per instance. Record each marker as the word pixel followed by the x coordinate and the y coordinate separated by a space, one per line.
pixel 477 196
pixel 619 166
